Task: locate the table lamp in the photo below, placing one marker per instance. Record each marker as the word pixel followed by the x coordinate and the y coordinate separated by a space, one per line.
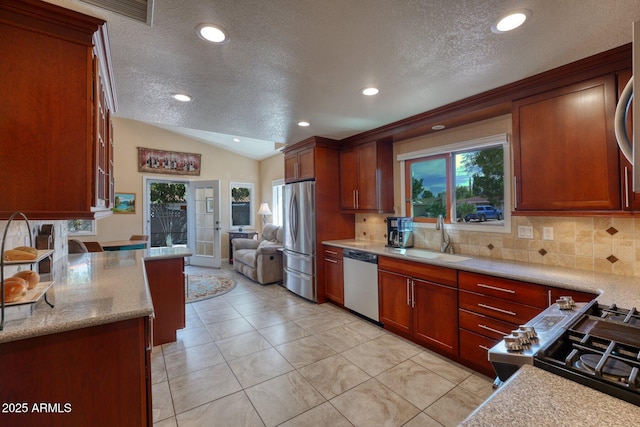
pixel 264 211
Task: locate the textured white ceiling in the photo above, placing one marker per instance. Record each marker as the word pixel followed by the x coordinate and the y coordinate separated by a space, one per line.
pixel 292 60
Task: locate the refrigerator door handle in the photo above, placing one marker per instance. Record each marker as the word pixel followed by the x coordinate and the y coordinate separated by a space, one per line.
pixel 293 217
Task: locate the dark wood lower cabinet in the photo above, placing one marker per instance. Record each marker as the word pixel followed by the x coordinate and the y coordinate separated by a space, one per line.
pixel 421 310
pixel 333 274
pixel 166 284
pixel 95 376
pixel 435 317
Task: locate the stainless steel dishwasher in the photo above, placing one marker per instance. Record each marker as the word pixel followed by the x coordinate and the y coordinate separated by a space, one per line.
pixel 361 283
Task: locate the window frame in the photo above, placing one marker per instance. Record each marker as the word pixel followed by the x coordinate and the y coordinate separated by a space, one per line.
pixel 450 150
pixel 251 187
pixel 409 182
pixel 92 232
pixel 277 186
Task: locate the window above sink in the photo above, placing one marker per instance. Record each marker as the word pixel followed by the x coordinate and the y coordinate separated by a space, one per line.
pixel 468 183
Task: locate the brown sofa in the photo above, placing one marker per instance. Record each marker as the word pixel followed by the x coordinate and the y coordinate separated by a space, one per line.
pixel 260 260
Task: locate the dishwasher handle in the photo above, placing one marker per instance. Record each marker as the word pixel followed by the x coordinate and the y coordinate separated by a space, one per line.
pixel 360 256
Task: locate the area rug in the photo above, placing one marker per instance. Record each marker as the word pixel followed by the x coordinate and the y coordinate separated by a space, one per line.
pixel 204 286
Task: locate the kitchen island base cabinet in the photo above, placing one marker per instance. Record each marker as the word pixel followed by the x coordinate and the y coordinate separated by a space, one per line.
pixel 166 284
pixel 95 376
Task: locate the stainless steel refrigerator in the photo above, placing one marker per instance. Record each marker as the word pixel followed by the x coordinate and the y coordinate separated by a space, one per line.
pixel 300 239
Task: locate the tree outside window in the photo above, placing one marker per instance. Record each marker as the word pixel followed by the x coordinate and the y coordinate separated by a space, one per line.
pixel 458 182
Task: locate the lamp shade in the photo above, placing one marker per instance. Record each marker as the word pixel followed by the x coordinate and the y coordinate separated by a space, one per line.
pixel 264 209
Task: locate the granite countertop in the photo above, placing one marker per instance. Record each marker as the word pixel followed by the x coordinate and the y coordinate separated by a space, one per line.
pixel 611 288
pixel 534 397
pixel 89 289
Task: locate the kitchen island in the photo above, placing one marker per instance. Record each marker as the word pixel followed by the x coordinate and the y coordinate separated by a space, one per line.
pixel 534 397
pixel 86 361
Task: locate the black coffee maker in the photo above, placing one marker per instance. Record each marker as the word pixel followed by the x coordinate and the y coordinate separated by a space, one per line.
pixel 400 232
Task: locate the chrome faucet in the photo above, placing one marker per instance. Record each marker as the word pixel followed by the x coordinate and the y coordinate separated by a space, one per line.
pixel 445 240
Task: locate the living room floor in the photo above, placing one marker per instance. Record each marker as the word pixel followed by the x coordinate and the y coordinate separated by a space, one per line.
pixel 262 356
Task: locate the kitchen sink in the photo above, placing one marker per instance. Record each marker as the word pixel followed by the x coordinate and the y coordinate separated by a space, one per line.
pixel 425 254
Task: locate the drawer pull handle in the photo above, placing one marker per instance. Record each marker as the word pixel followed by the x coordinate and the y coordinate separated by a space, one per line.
pixel 495 288
pixel 497 309
pixel 484 348
pixel 492 330
pixel 331 260
pixel 331 252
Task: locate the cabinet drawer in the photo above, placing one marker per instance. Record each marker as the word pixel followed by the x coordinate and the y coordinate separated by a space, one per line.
pixel 430 273
pixel 525 293
pixel 332 252
pixel 485 325
pixel 498 308
pixel 475 348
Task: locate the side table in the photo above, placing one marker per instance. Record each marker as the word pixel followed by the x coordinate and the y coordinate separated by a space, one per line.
pixel 239 235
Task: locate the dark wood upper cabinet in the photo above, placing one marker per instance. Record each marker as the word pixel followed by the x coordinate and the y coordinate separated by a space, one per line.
pixel 366 177
pixel 299 165
pixel 57 160
pixel 565 152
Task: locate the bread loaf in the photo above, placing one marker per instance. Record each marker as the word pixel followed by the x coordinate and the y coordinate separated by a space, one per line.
pixel 14 290
pixel 18 255
pixel 32 277
pixel 29 249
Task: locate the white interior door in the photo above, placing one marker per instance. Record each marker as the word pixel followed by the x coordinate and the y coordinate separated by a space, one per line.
pixel 204 223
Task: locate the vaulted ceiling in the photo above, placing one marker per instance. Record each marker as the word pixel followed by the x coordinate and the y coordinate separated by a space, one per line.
pixel 293 60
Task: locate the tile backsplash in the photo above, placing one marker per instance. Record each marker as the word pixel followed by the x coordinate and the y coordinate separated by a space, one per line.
pixel 609 245
pixel 18 235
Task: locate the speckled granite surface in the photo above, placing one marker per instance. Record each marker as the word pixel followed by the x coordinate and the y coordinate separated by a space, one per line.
pixel 533 397
pixel 623 290
pixel 91 289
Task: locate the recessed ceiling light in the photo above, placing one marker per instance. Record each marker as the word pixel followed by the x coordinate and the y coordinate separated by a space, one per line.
pixel 370 91
pixel 304 124
pixel 437 127
pixel 181 97
pixel 236 140
pixel 511 21
pixel 212 33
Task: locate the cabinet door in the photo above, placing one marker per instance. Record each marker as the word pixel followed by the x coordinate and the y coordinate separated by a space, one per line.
pixel 565 153
pixel 435 315
pixel 334 280
pixel 348 178
pixel 290 167
pixel 395 301
pixel 306 164
pixel 367 170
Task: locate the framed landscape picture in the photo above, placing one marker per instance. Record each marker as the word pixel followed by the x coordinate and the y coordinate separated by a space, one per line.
pixel 125 203
pixel 169 162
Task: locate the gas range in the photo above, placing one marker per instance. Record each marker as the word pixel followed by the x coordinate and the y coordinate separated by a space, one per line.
pixel 600 349
pixel 519 348
pixel 595 345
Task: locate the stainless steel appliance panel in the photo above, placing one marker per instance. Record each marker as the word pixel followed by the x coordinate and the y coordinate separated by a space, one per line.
pixel 300 217
pixel 299 262
pixel 361 283
pixel 301 284
pixel 300 239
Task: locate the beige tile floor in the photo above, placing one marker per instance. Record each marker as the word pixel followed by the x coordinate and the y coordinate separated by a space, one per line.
pixel 261 356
